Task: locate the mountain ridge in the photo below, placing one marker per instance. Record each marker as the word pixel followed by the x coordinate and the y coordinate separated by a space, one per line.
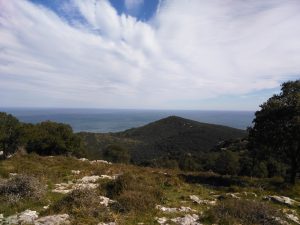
pixel 170 135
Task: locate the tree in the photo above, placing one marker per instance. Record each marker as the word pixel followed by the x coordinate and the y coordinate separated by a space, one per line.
pixel 276 129
pixel 116 153
pixel 227 163
pixel 9 133
pixel 50 138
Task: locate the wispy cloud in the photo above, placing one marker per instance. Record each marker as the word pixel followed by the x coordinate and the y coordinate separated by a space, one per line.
pixel 193 50
pixel 133 5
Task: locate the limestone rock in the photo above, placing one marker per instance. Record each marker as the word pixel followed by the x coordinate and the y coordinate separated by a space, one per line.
pixel 110 223
pixel 89 179
pixel 196 199
pixel 293 218
pixel 27 217
pixel 166 209
pixel 10 220
pixel 173 210
pixel 60 219
pixel 100 161
pixel 162 220
pixel 106 201
pixel 108 177
pixel 76 172
pixel 291 215
pixel 187 220
pixel 282 200
pixel 63 188
pixel 83 159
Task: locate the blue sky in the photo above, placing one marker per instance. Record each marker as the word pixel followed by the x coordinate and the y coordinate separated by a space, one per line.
pixel 143 10
pixel 157 54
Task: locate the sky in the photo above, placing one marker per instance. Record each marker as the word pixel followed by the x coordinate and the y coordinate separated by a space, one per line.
pixel 147 54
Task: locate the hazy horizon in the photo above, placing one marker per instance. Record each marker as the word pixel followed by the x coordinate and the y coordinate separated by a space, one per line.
pixel 114 120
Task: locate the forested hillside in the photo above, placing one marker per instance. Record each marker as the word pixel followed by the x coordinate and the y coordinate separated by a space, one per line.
pixel 172 136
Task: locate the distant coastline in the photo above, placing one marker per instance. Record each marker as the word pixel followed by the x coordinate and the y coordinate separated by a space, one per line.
pixel 113 120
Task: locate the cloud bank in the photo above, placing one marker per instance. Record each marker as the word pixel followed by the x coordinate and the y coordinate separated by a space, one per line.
pixel 189 51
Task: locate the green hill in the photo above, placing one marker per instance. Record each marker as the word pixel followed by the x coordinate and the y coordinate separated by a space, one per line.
pixel 171 135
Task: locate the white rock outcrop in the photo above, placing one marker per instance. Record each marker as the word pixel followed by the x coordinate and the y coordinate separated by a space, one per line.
pixel 31 217
pixel 162 220
pixel 105 201
pixel 174 210
pixel 282 200
pixel 27 217
pixel 87 182
pixel 89 179
pixel 110 223
pixel 76 172
pixel 197 200
pixel 187 220
pixel 60 219
pixel 100 161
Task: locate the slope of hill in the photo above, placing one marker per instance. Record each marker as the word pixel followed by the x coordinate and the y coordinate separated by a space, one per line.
pixel 172 135
pixel 66 190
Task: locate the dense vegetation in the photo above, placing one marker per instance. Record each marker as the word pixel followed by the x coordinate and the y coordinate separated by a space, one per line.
pixel 276 130
pixel 46 138
pixel 170 142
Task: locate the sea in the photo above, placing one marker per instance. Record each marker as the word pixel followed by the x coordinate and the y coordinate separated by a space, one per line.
pixel 113 120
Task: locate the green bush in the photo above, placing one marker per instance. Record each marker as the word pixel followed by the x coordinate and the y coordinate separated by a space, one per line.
pixel 116 154
pixel 50 138
pixel 9 134
pixel 134 192
pixel 82 203
pixel 227 163
pixel 260 170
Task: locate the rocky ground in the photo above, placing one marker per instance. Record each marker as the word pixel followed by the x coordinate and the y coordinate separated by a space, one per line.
pixel 79 191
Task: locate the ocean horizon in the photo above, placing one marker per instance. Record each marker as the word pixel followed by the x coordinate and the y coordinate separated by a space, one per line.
pixel 114 120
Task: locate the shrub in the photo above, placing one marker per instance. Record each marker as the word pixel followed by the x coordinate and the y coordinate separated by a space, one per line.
pixel 134 192
pixel 9 134
pixel 260 170
pixel 51 138
pixel 116 154
pixel 21 187
pixel 82 203
pixel 244 212
pixel 227 163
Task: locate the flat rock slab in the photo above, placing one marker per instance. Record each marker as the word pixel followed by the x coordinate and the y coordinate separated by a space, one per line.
pixel 26 217
pixel 282 200
pixel 174 210
pixel 61 219
pixel 197 200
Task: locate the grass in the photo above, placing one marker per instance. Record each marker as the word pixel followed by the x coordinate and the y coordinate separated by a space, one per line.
pixel 233 211
pixel 137 190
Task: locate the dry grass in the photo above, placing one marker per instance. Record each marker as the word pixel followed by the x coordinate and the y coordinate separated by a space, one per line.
pixel 21 187
pixel 246 212
pixel 84 205
pixel 134 192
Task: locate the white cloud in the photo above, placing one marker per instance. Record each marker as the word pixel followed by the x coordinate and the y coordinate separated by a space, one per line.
pixel 190 50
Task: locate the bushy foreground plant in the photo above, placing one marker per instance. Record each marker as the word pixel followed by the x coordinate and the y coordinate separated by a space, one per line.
pixel 134 192
pixel 21 187
pixel 84 204
pixel 229 212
